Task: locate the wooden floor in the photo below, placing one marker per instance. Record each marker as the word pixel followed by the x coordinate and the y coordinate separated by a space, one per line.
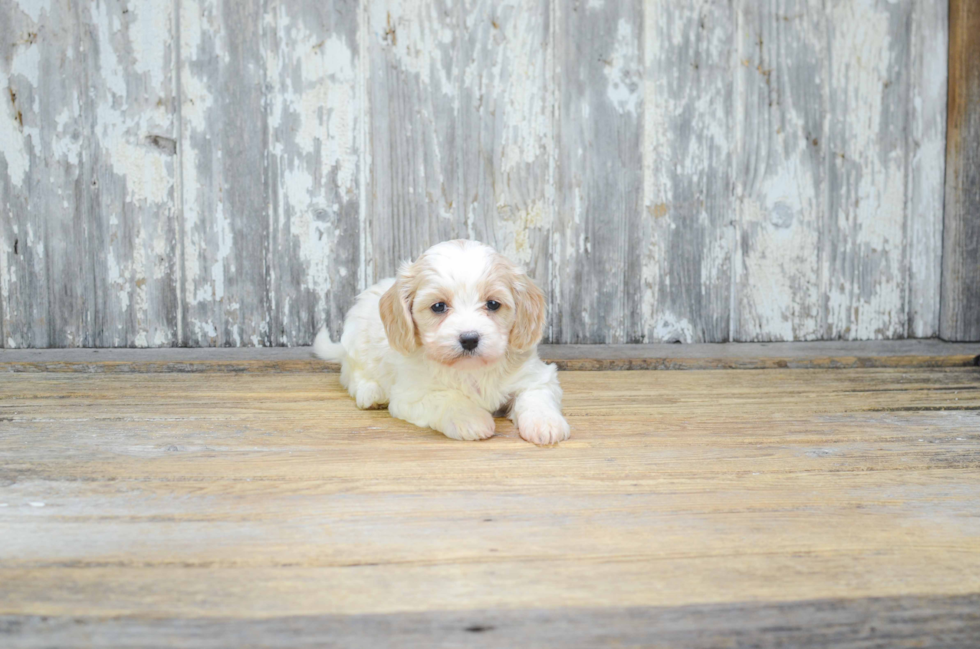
pixel 733 508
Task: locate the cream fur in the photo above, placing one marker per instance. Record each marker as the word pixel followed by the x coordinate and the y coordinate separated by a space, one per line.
pixel 396 351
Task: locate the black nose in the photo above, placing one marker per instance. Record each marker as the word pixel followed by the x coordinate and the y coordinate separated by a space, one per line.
pixel 469 340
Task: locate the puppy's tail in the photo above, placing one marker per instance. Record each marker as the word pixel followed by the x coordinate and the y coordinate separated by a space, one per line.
pixel 326 349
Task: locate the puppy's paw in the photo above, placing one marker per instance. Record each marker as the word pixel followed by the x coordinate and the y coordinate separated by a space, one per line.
pixel 542 428
pixel 468 424
pixel 370 395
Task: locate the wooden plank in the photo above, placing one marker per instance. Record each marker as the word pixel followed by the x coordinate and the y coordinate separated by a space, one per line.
pixel 159 504
pixel 87 174
pixel 506 130
pixel 961 235
pixel 315 130
pixel 597 291
pixel 927 164
pixel 898 353
pixel 900 622
pixel 780 113
pixel 865 228
pixel 826 100
pixel 687 160
pixel 226 189
pixel 259 165
pixel 414 92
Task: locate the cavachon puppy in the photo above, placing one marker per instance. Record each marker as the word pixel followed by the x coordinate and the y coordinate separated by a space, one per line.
pixel 449 341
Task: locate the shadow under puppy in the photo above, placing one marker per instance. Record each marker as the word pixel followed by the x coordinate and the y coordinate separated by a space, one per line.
pixel 449 341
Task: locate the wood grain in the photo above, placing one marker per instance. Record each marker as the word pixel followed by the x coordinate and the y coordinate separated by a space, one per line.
pixel 316 126
pixel 961 233
pixel 414 82
pixel 226 188
pixel 828 246
pixel 927 145
pixel 899 622
pixel 176 501
pixel 596 280
pixel 688 224
pixel 507 131
pixel 698 172
pixel 87 175
pixel 658 356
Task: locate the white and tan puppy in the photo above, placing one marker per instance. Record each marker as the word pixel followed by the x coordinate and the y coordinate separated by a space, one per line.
pixel 449 341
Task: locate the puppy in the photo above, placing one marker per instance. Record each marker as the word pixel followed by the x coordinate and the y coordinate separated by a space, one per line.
pixel 449 341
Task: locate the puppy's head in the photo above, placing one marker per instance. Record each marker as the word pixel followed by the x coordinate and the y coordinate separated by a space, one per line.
pixel 464 305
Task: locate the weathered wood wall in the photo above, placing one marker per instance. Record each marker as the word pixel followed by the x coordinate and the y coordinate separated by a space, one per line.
pixel 232 172
pixel 960 306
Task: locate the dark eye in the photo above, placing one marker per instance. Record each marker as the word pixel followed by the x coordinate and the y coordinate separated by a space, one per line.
pixel 439 307
pixel 493 305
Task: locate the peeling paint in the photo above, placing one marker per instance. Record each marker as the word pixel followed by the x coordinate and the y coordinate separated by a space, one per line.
pixel 623 70
pixel 34 8
pixel 666 172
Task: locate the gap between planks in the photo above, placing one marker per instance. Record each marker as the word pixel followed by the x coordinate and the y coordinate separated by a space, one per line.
pixel 708 356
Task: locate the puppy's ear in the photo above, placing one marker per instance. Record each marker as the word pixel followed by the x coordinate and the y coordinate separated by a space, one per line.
pixel 530 312
pixel 396 311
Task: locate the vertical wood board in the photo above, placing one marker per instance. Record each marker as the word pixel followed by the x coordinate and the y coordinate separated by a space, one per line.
pixel 87 174
pixel 961 234
pixel 218 173
pixel 225 182
pixel 506 134
pixel 596 260
pixel 414 80
pixel 313 161
pixel 836 181
pixel 688 221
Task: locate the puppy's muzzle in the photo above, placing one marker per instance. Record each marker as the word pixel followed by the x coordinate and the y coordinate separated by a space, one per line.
pixel 469 340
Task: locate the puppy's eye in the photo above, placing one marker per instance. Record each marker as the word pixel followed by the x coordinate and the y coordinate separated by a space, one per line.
pixel 439 307
pixel 493 305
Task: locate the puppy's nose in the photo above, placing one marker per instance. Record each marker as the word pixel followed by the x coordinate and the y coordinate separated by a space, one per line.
pixel 469 340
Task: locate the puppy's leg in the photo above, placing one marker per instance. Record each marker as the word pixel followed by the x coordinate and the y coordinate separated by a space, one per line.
pixel 451 414
pixel 367 393
pixel 537 413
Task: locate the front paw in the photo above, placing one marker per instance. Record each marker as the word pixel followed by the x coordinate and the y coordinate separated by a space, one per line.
pixel 542 427
pixel 468 424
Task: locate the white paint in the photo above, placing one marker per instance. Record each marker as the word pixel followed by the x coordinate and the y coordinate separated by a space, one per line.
pixel 505 84
pixel 123 133
pixel 413 32
pixel 674 328
pixel 873 216
pixel 64 146
pixel 143 166
pixel 111 71
pixel 14 138
pixel 12 146
pixel 151 22
pixel 315 86
pixel 512 81
pixel 196 23
pixel 624 71
pixel 26 62
pixel 34 8
pixel 517 228
pixel 225 238
pixel 927 171
pixel 679 97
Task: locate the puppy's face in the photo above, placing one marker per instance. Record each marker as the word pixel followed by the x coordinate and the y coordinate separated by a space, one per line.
pixel 464 305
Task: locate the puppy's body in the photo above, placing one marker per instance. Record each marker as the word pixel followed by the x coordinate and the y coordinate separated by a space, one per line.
pixel 397 349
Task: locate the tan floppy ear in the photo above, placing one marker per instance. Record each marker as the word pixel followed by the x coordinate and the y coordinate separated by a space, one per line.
pixel 396 312
pixel 529 306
